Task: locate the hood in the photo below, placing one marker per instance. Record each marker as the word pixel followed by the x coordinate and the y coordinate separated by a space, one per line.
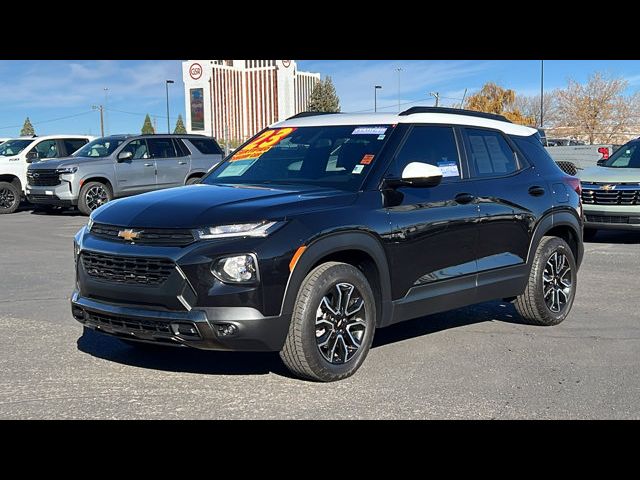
pixel 63 162
pixel 208 205
pixel 610 175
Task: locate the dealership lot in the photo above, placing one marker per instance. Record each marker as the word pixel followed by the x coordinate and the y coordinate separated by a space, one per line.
pixel 478 362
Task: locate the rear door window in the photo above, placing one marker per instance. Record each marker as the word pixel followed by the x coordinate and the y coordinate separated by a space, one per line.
pixel 161 148
pixel 490 155
pixel 206 146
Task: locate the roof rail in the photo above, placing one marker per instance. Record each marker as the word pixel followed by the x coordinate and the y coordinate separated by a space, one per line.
pixel 310 114
pixel 455 111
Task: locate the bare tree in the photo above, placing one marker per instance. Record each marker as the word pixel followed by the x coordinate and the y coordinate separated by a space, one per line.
pixel 597 110
pixel 530 107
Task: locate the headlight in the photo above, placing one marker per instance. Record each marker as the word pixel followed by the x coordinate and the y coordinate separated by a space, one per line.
pixel 236 269
pixel 89 224
pixel 257 229
pixel 76 251
pixel 64 170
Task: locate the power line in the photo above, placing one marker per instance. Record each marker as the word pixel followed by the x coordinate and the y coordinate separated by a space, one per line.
pixel 136 113
pixel 49 121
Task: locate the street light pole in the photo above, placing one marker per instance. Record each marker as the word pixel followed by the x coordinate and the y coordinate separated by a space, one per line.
pixel 399 69
pixel 541 92
pixel 106 107
pixel 166 84
pixel 100 108
pixel 375 97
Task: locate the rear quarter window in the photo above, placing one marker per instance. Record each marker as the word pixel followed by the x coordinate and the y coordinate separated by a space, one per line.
pixel 206 146
pixel 535 153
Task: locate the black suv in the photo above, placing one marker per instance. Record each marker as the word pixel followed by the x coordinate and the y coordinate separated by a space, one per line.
pixel 322 228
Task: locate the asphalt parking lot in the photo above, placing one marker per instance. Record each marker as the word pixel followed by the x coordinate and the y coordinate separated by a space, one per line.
pixel 479 362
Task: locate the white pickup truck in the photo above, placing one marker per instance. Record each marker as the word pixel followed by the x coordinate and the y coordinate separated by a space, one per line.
pixel 17 153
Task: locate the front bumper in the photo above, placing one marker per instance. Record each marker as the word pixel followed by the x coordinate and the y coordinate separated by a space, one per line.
pixel 210 328
pixel 612 218
pixel 60 195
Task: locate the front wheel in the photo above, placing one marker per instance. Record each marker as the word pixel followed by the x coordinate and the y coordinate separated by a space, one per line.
pixel 9 197
pixel 332 325
pixel 551 288
pixel 92 196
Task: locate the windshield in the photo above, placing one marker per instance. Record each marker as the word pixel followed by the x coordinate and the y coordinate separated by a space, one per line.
pixel 101 147
pixel 627 156
pixel 331 156
pixel 13 147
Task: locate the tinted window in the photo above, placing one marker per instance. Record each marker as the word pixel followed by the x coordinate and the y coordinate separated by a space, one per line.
pixel 331 156
pixel 181 148
pixel 161 148
pixel 100 147
pixel 137 147
pixel 432 145
pixel 46 149
pixel 490 154
pixel 71 145
pixel 626 157
pixel 206 146
pixel 532 149
pixel 13 147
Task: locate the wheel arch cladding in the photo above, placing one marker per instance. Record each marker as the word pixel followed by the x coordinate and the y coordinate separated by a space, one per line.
pixel 100 179
pixel 12 179
pixel 359 249
pixel 562 224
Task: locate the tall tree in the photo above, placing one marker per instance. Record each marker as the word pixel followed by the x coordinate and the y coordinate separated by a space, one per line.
pixel 597 110
pixel 492 98
pixel 529 106
pixel 147 127
pixel 27 128
pixel 180 126
pixel 323 97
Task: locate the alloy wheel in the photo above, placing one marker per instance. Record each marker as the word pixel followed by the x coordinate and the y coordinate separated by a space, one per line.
pixel 7 198
pixel 96 196
pixel 557 280
pixel 340 323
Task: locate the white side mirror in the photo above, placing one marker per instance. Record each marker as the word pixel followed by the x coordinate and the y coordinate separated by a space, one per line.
pixel 418 174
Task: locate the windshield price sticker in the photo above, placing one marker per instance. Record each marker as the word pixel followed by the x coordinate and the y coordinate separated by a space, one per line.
pixel 367 159
pixel 449 169
pixel 262 144
pixel 369 131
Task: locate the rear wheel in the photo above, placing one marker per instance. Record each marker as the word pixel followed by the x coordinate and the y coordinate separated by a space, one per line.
pixel 192 180
pixel 9 197
pixel 332 325
pixel 551 288
pixel 93 195
pixel 589 233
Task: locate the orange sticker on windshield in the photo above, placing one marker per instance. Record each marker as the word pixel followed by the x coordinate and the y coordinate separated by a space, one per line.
pixel 265 142
pixel 367 159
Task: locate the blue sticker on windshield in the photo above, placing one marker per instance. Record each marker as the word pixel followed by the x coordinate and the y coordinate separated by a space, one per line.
pixel 449 169
pixel 369 131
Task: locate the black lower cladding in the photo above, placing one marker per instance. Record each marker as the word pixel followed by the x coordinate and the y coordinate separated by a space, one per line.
pixel 48 200
pixel 229 328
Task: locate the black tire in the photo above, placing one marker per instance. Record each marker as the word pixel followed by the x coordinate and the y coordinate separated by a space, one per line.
pixel 302 353
pixel 192 180
pixel 10 196
pixel 589 234
pixel 533 304
pixel 93 195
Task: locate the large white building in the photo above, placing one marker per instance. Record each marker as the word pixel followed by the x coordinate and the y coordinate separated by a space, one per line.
pixel 235 99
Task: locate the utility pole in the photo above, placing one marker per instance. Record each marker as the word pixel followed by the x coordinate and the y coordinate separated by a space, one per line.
pixel 106 107
pixel 100 108
pixel 436 95
pixel 375 97
pixel 463 97
pixel 541 92
pixel 166 84
pixel 399 69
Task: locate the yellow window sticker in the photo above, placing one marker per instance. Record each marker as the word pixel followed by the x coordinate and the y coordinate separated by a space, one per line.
pixel 262 144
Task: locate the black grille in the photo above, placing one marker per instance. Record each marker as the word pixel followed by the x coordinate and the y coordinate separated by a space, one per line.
pixel 127 270
pixel 43 178
pixel 607 219
pixel 146 236
pixel 128 323
pixel 611 197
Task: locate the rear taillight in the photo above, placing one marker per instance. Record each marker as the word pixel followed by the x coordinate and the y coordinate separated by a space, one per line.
pixel 605 152
pixel 574 183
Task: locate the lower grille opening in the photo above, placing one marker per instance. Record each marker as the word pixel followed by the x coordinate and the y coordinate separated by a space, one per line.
pixel 128 323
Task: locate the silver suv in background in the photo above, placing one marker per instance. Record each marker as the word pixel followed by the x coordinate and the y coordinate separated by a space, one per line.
pixel 119 166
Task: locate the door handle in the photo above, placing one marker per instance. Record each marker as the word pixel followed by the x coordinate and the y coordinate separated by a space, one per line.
pixel 464 198
pixel 536 191
pixel 182 163
pixel 148 164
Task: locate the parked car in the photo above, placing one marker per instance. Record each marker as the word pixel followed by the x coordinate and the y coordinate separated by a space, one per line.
pixel 2 140
pixel 119 166
pixel 611 191
pixel 322 228
pixel 17 153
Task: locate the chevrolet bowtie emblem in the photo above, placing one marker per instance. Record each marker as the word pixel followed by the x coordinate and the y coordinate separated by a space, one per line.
pixel 608 187
pixel 129 235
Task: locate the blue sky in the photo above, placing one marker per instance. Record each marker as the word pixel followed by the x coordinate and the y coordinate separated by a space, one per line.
pixel 48 90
